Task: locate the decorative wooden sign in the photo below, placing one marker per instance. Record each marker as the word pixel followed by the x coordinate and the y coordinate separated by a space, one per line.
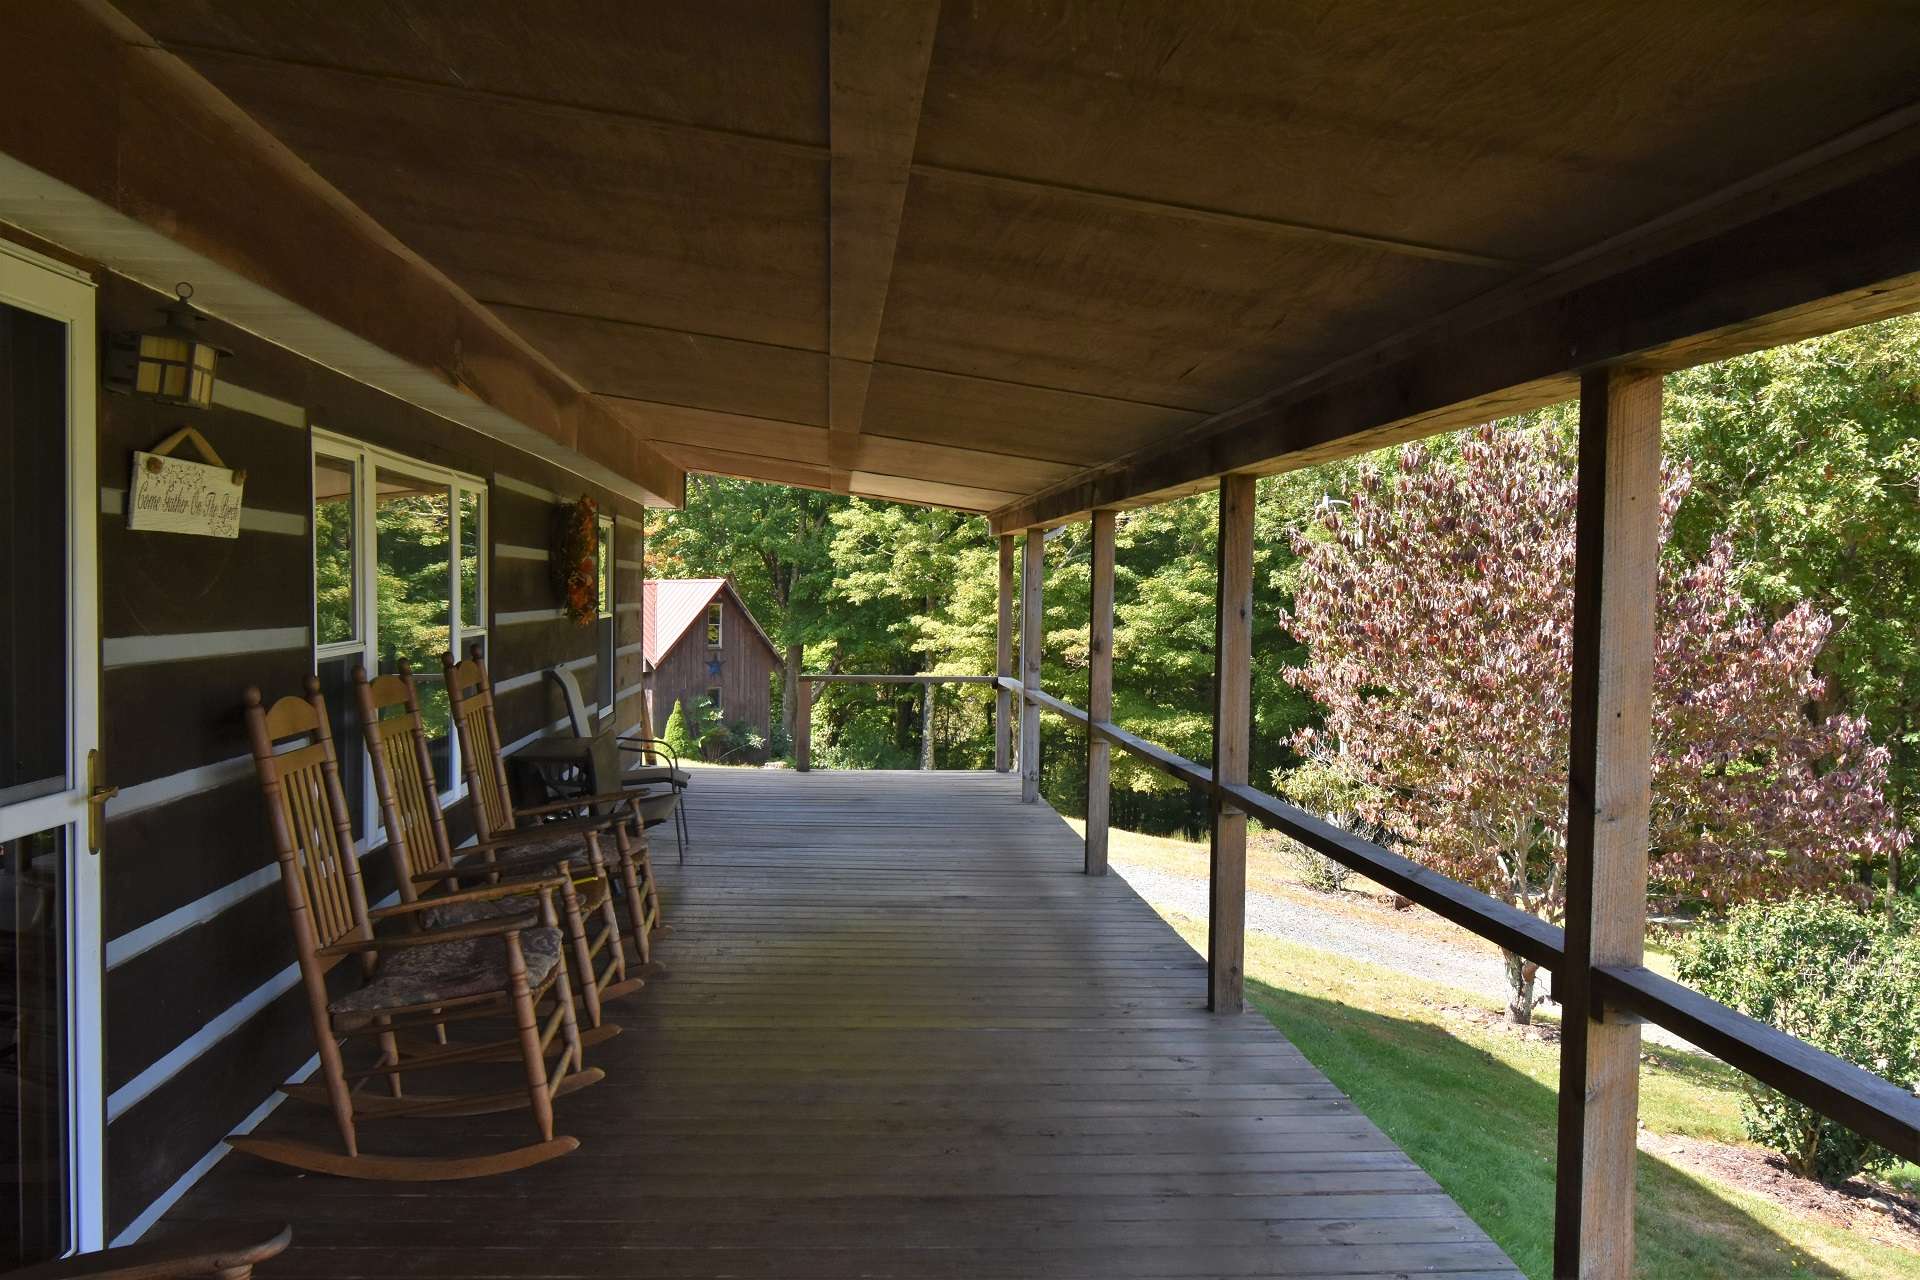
pixel 173 495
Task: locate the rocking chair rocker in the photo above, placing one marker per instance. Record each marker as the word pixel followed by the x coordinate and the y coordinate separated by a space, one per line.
pixel 508 964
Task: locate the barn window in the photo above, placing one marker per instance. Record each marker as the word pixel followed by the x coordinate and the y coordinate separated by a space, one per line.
pixel 713 625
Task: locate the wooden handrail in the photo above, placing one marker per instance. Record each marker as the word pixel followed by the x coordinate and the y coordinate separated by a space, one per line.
pixel 836 677
pixel 1870 1105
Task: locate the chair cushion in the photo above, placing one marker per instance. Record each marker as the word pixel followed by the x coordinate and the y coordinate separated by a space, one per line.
pixel 451 971
pixel 469 912
pixel 537 851
pixel 643 775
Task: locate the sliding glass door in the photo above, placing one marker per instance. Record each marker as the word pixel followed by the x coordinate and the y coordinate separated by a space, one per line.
pixel 51 1114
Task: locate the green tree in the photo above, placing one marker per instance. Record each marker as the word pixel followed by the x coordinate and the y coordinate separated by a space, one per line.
pixel 678 737
pixel 773 541
pixel 1807 459
pixel 900 572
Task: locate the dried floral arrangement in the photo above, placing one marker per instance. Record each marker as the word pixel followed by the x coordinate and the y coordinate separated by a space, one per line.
pixel 574 559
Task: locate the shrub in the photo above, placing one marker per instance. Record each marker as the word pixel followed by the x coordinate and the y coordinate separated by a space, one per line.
pixel 1321 788
pixel 676 735
pixel 1845 982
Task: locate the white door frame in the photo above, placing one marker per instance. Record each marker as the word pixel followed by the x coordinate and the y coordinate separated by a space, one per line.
pixel 38 284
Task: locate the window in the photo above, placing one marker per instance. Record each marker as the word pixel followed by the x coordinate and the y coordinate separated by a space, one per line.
pixel 399 572
pixel 606 631
pixel 713 700
pixel 334 618
pixel 714 611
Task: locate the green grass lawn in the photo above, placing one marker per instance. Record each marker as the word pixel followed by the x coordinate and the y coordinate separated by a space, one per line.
pixel 1474 1104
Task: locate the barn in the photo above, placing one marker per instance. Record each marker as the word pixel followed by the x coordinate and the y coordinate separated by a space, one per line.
pixel 703 642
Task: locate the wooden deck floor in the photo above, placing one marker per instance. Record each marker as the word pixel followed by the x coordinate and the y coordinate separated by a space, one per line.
pixel 897 1033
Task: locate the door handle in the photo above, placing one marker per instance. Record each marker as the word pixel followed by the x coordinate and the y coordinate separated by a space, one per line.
pixel 98 793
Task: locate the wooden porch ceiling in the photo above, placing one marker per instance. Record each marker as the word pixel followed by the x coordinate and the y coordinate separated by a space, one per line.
pixel 971 253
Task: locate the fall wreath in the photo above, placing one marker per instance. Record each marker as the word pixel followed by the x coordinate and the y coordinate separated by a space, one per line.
pixel 575 559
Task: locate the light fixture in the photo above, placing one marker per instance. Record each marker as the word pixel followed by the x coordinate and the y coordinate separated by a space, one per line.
pixel 173 364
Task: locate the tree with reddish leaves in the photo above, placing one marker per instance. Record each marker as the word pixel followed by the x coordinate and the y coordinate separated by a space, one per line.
pixel 1436 606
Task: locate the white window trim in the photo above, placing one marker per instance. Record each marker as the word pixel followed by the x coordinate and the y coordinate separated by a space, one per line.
pixel 717 619
pixel 366 460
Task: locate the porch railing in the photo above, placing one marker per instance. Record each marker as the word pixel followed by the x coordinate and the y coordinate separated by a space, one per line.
pixel 803 708
pixel 1864 1102
pixel 1867 1103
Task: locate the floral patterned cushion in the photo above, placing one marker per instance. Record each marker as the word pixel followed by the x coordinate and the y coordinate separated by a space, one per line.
pixel 469 912
pixel 450 971
pixel 540 852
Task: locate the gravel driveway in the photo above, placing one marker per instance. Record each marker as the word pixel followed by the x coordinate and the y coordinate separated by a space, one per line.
pixel 1477 969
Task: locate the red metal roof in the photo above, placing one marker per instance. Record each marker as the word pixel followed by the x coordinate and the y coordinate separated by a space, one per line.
pixel 671 605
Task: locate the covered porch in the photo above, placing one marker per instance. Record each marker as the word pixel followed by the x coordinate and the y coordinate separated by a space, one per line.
pixel 897 1031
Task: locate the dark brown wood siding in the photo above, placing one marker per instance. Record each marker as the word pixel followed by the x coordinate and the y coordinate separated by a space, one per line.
pixel 201 1020
pixel 746 665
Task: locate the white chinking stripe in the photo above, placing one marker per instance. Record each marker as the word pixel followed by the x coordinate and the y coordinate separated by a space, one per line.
pixel 129 1095
pixel 630 564
pixel 631 691
pixel 202 909
pixel 230 396
pixel 223 1024
pixel 510 551
pixel 184 1183
pixel 557 726
pixel 178 786
pixel 131 651
pixel 528 615
pixel 625 649
pixel 525 489
pixel 113 502
pixel 199 1169
pixel 525 679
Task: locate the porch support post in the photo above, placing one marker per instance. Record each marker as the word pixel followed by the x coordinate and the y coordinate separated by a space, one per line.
pixel 1002 700
pixel 1616 554
pixel 803 726
pixel 1232 735
pixel 1033 563
pixel 1099 690
pixel 926 725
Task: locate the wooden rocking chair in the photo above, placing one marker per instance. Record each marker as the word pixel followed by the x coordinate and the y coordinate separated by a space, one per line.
pixel 218 1251
pixel 471 695
pixel 427 978
pixel 423 856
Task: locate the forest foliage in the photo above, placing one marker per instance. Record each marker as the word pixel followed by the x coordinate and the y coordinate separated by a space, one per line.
pixel 1801 501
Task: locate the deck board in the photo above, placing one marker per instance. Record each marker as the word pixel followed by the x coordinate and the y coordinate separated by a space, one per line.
pixel 895 1032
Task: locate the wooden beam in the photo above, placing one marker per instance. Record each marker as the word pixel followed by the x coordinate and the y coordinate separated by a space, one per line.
pixel 1205 217
pixel 877 55
pixel 1003 662
pixel 1232 746
pixel 1609 790
pixel 1784 265
pixel 1099 691
pixel 803 726
pixel 1033 567
pixel 119 151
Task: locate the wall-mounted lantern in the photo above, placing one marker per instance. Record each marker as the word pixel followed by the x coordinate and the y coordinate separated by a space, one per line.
pixel 174 364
